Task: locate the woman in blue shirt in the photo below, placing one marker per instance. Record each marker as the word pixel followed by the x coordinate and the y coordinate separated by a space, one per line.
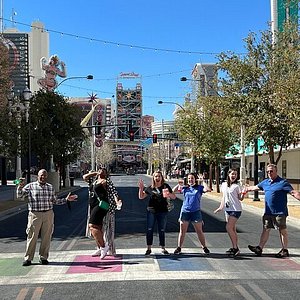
pixel 191 210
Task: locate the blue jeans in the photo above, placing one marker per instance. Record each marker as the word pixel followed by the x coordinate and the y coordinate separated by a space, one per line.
pixel 161 219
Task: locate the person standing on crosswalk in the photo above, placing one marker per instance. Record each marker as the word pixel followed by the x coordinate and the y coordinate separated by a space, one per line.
pixel 191 209
pixel 276 209
pixel 158 192
pixel 231 204
pixel 102 197
pixel 41 197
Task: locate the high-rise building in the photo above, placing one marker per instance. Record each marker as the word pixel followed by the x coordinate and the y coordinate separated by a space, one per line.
pixel 129 107
pixel 205 79
pixel 25 51
pixel 283 11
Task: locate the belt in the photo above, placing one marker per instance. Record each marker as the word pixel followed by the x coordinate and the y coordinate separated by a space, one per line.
pixel 41 210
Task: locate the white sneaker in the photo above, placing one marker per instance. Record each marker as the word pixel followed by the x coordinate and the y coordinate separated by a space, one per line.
pixel 97 252
pixel 104 251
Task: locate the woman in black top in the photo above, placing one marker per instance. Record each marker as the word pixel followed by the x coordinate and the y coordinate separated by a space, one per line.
pixel 101 197
pixel 157 209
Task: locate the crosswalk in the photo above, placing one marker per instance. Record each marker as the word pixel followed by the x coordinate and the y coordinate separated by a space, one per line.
pixel 131 264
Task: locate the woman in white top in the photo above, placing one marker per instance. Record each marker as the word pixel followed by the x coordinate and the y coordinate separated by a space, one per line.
pixel 231 204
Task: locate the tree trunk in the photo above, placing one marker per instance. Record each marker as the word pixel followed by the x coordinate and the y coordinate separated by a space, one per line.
pixel 210 175
pixel 272 159
pixel 271 155
pixel 279 156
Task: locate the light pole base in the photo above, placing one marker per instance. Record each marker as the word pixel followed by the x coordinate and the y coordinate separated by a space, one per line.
pixel 53 178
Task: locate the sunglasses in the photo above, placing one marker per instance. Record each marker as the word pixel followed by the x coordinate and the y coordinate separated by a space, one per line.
pixel 270 171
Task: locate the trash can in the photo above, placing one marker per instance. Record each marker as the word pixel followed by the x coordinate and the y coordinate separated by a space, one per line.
pixel 71 181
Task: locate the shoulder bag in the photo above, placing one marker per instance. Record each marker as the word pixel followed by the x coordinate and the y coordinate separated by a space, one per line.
pixel 102 204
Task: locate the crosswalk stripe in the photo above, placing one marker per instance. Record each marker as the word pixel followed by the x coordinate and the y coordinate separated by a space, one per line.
pixel 131 264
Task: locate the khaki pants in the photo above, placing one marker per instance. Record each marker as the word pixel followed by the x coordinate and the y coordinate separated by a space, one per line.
pixel 39 223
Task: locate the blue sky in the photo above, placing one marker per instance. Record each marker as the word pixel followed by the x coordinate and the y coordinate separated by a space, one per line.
pixel 201 27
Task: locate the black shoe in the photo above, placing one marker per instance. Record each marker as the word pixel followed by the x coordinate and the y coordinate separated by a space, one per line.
pixel 44 261
pixel 235 251
pixel 165 252
pixel 148 252
pixel 26 263
pixel 229 251
pixel 205 250
pixel 282 253
pixel 256 249
pixel 177 250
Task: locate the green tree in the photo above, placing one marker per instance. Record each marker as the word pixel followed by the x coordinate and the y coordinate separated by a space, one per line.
pixel 210 133
pixel 262 88
pixel 55 129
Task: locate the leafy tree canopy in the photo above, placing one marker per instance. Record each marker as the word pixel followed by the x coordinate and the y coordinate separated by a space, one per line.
pixel 262 88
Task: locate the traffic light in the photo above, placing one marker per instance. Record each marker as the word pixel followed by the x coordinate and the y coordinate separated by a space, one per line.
pixel 97 128
pixel 154 138
pixel 131 136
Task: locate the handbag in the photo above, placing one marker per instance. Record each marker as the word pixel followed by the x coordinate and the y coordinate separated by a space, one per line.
pixel 103 204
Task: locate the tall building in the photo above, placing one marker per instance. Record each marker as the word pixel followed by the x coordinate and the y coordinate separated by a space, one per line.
pixel 25 51
pixel 129 107
pixel 205 79
pixel 283 11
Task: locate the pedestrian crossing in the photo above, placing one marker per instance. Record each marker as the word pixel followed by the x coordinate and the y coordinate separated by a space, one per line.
pixel 132 264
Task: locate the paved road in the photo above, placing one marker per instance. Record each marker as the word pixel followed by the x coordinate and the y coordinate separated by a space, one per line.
pixel 74 274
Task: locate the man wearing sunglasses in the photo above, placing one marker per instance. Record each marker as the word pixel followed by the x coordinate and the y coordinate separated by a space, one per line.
pixel 276 209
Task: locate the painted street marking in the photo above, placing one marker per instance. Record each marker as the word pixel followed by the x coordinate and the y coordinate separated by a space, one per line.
pixel 11 267
pixel 90 264
pixel 183 262
pixel 244 293
pixel 22 294
pixel 37 294
pixel 259 292
pixel 131 264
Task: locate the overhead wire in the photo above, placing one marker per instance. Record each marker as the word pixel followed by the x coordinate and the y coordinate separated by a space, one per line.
pixel 118 44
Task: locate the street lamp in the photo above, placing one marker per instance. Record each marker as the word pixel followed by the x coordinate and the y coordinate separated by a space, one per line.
pixel 179 105
pixel 18 104
pixel 186 79
pixel 170 102
pixel 89 77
